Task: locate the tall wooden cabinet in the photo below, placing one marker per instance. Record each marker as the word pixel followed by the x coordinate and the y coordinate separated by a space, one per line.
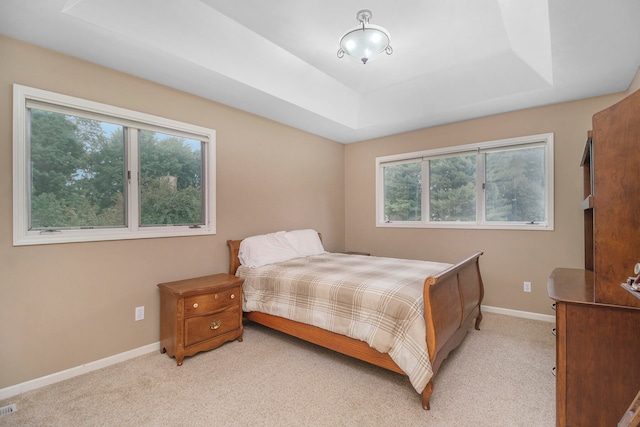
pixel 597 320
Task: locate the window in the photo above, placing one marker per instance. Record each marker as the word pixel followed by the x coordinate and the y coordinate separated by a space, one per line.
pixel 497 184
pixel 85 171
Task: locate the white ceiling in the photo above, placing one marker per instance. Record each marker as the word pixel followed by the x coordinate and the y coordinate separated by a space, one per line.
pixel 453 59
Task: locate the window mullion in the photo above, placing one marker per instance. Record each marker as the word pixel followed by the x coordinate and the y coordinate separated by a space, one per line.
pixel 426 205
pixel 480 189
pixel 132 175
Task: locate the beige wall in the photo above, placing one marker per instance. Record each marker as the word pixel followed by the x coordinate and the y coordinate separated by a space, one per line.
pixel 65 305
pixel 510 257
pixel 635 84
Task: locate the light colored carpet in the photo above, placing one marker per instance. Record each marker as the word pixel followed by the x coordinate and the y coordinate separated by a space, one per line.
pixel 499 376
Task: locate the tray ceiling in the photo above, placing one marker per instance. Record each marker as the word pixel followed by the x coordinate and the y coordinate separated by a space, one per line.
pixel 452 60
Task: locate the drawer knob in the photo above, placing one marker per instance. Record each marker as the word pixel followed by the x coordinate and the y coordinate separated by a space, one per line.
pixel 195 305
pixel 215 296
pixel 215 324
pixel 233 296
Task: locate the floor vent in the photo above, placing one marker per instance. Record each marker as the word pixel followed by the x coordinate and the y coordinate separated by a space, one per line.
pixel 8 409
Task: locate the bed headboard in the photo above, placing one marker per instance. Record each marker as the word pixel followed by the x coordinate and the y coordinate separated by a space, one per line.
pixel 234 262
pixel 234 248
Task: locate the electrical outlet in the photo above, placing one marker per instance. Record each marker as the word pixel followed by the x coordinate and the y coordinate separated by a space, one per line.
pixel 527 286
pixel 140 313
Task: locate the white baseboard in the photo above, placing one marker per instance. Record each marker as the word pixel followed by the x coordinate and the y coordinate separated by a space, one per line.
pixel 14 390
pixel 518 313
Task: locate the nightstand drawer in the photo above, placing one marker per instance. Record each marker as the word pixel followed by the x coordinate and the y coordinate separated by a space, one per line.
pixel 202 328
pixel 203 304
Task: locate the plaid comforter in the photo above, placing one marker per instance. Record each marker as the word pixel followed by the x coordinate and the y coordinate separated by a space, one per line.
pixel 372 299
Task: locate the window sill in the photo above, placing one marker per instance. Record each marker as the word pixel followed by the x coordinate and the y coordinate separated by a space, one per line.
pixel 468 226
pixel 79 236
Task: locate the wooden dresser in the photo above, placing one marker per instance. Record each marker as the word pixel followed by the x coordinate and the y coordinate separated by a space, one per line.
pixel 199 314
pixel 597 320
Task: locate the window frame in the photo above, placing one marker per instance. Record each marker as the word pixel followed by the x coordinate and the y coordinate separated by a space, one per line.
pixel 545 140
pixel 24 96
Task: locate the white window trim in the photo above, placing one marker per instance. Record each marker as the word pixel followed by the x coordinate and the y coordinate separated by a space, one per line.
pixel 21 211
pixel 545 139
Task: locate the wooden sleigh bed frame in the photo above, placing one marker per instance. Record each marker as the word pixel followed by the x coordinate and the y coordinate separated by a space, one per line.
pixel 452 301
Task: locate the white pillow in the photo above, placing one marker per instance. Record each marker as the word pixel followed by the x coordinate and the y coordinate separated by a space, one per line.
pixel 305 242
pixel 256 251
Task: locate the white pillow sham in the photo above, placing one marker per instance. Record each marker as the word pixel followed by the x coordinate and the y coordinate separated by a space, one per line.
pixel 256 251
pixel 306 242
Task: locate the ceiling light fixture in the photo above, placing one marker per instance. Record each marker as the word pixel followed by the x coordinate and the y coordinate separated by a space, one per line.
pixel 365 41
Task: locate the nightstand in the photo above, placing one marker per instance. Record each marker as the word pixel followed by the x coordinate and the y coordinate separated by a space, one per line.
pixel 199 314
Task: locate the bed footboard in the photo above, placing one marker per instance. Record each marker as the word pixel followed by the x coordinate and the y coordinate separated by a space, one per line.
pixel 452 301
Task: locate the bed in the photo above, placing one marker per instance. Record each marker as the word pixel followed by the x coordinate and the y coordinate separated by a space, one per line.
pixel 438 302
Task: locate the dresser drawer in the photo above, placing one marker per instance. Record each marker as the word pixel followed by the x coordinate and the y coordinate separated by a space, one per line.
pixel 202 328
pixel 203 304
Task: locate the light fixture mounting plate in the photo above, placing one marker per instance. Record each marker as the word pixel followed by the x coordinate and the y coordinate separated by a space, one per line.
pixel 364 15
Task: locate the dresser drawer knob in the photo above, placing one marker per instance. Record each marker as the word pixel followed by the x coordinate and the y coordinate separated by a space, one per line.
pixel 215 324
pixel 215 296
pixel 195 305
pixel 233 296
